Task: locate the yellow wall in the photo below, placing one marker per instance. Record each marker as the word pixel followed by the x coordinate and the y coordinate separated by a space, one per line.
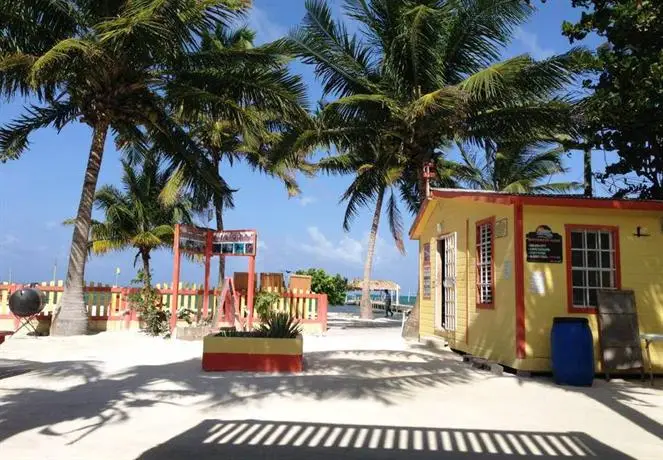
pixel 491 333
pixel 641 271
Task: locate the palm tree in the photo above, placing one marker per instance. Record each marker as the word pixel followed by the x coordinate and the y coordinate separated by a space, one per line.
pixel 263 134
pixel 424 73
pixel 377 171
pixel 110 65
pixel 515 168
pixel 135 217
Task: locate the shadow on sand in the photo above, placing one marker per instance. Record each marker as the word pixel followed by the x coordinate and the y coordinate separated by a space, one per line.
pixel 254 439
pixel 387 377
pixel 101 398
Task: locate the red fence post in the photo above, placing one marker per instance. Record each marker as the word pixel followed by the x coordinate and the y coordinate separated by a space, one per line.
pixel 322 311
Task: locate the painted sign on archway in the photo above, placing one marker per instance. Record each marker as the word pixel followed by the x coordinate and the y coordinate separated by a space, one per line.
pixel 208 243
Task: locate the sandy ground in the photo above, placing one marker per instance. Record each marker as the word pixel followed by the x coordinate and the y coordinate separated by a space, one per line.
pixel 365 394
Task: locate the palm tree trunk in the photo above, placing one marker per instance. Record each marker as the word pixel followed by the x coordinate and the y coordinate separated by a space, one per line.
pixel 147 274
pixel 587 160
pixel 71 317
pixel 218 209
pixel 366 306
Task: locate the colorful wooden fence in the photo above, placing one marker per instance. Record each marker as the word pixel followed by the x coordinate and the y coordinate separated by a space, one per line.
pixel 109 307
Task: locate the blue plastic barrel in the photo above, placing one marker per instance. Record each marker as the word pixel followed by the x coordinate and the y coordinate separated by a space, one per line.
pixel 572 352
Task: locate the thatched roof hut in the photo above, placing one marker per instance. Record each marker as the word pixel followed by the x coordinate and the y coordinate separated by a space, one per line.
pixel 375 285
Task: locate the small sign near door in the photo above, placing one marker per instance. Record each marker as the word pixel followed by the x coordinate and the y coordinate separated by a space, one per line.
pixel 544 246
pixel 426 275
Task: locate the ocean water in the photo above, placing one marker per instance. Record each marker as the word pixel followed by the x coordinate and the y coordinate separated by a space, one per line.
pixel 354 309
pixel 402 300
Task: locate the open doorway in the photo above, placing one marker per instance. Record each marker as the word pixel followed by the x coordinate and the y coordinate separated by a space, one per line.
pixel 446 282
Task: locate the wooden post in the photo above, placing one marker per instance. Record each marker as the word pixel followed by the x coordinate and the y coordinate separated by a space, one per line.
pixel 176 278
pixel 250 291
pixel 208 259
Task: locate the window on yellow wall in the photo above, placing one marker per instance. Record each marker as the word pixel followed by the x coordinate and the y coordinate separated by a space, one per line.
pixel 485 242
pixel 592 264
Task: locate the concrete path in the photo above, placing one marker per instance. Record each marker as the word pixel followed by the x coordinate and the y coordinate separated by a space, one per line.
pixel 365 394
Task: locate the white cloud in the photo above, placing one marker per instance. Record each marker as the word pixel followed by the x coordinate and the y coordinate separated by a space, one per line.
pixel 266 29
pixel 262 245
pixel 306 200
pixel 531 42
pixel 347 250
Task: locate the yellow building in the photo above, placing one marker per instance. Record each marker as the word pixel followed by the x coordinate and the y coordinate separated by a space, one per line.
pixel 495 269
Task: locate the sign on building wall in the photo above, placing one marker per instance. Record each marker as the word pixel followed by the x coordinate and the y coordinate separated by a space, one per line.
pixel 545 246
pixel 234 243
pixel 501 227
pixel 193 239
pixel 426 274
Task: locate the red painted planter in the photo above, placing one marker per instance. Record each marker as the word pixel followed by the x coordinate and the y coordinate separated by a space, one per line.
pixel 252 354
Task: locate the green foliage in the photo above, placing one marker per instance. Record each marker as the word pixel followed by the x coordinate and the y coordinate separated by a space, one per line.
pixel 623 112
pixel 335 286
pixel 273 326
pixel 262 127
pixel 187 315
pixel 135 216
pixel 147 302
pixel 280 326
pixel 420 76
pixel 515 168
pixel 264 302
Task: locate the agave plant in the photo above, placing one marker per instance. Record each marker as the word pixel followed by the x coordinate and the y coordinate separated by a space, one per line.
pixel 280 326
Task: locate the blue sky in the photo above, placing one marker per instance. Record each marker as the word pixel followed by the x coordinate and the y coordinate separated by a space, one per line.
pixel 43 188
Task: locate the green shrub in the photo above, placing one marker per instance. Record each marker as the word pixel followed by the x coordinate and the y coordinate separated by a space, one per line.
pixel 147 302
pixel 264 302
pixel 335 286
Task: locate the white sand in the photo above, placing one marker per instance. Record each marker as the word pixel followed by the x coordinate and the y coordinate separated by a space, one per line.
pixel 122 395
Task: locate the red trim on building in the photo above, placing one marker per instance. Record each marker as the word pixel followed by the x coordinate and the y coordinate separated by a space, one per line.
pixel 519 267
pixel 491 221
pixel 220 362
pixel 614 232
pixel 467 282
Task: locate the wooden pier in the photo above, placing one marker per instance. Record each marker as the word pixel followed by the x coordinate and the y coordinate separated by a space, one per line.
pixel 378 305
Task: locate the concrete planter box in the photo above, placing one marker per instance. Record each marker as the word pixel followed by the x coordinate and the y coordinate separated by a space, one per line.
pixel 252 354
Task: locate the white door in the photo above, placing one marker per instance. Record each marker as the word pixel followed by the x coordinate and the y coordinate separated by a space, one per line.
pixel 448 255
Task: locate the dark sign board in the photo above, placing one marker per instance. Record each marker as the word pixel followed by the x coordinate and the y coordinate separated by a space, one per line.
pixel 426 275
pixel 235 243
pixel 193 239
pixel 544 246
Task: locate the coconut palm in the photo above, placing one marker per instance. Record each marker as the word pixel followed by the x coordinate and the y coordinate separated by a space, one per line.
pixel 422 74
pixel 377 171
pixel 110 65
pixel 515 168
pixel 135 216
pixel 263 136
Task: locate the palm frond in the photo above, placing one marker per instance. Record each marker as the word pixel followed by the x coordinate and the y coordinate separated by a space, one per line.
pixel 395 221
pixel 14 136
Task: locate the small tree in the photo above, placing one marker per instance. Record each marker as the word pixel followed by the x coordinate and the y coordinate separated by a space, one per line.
pixel 135 217
pixel 335 286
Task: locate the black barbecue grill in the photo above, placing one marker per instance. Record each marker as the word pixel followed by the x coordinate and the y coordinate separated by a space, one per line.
pixel 25 304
